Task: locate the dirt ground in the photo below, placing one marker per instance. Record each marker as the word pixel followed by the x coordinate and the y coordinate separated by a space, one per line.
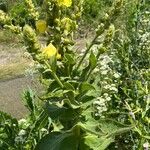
pixel 11 92
pixel 13 64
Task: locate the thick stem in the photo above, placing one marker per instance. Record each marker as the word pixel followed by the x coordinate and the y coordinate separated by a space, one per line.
pixel 86 52
pixel 54 75
pixel 91 69
pixel 57 79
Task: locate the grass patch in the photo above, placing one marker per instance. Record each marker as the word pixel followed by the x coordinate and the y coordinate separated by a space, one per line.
pixel 6 36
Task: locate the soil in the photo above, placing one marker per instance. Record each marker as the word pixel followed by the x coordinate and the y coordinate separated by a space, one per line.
pixel 12 61
pixel 11 92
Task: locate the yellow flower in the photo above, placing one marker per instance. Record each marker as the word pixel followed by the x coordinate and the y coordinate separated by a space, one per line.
pixel 41 26
pixel 50 51
pixel 58 56
pixel 66 3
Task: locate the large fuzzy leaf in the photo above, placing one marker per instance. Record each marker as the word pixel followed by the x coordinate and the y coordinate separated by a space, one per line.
pixel 61 112
pixel 104 127
pixel 93 142
pixel 58 141
pixel 100 133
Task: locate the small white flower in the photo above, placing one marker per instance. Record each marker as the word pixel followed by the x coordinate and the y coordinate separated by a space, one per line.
pixel 107 87
pixel 146 146
pixel 104 72
pixel 22 121
pixel 105 94
pixel 116 75
pixel 114 89
pixel 14 125
pixel 96 103
pixel 21 133
pixel 108 99
pixel 43 130
pixel 96 70
pixel 19 139
pixel 132 115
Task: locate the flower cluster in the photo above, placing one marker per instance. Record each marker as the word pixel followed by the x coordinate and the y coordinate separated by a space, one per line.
pixel 109 80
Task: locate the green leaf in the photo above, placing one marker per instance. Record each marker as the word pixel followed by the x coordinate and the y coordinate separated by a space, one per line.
pixel 84 98
pixel 84 73
pixel 113 128
pixel 85 87
pixel 53 62
pixel 94 142
pixel 58 141
pixel 41 121
pixel 8 130
pixel 104 127
pixel 61 112
pixel 72 105
pixel 68 86
pixel 99 134
pixel 54 111
pixel 92 60
pixel 70 95
pixel 69 59
pixel 53 86
pixel 28 99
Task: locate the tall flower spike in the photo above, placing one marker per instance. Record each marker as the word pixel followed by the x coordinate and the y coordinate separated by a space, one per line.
pixel 4 18
pixel 31 40
pixel 31 9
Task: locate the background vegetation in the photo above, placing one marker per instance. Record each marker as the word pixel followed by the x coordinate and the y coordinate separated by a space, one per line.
pixel 96 98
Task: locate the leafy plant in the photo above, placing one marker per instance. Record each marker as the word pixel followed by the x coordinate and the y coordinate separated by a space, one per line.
pixel 93 99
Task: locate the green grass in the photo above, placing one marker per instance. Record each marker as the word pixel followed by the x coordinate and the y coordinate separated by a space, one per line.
pixel 7 36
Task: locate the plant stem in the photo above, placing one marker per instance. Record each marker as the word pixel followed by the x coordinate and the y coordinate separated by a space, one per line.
pixel 86 52
pixel 57 79
pixel 91 69
pixel 54 75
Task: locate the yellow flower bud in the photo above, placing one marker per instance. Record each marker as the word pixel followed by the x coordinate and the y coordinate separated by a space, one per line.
pixel 41 26
pixel 66 3
pixel 58 56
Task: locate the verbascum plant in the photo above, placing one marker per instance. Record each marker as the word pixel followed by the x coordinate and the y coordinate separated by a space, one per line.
pixel 73 114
